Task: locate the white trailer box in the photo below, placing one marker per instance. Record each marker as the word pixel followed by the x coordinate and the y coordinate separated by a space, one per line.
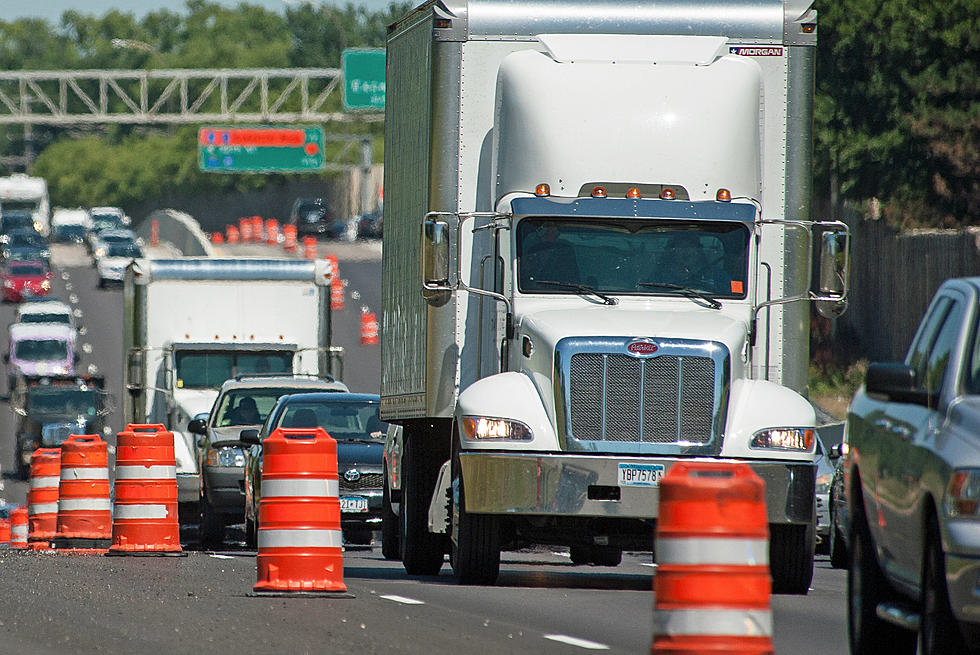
pixel 191 324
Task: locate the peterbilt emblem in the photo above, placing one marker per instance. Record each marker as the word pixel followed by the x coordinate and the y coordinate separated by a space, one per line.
pixel 353 475
pixel 642 348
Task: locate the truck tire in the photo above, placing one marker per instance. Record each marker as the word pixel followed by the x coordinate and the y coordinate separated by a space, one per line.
pixel 474 545
pixel 389 525
pixel 866 587
pixel 939 631
pixel 838 551
pixel 251 534
pixel 422 551
pixel 791 557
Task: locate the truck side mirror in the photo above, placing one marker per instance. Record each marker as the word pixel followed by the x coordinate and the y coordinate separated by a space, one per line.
pixel 435 261
pixel 834 265
pixel 134 372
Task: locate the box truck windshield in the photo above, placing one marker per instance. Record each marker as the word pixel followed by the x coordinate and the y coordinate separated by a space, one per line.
pixel 206 370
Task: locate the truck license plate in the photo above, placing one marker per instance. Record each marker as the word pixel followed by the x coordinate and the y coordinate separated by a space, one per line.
pixel 640 475
pixel 353 504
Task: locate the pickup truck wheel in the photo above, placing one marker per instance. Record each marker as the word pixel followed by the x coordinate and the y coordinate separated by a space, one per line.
pixel 838 552
pixel 422 551
pixel 866 587
pixel 939 632
pixel 389 525
pixel 474 549
pixel 791 558
pixel 211 527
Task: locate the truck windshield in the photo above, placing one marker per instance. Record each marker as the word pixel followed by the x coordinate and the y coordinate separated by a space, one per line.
pixel 40 350
pixel 208 370
pixel 632 256
pixel 247 406
pixel 62 400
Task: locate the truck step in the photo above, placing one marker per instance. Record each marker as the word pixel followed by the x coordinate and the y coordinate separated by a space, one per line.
pixel 901 614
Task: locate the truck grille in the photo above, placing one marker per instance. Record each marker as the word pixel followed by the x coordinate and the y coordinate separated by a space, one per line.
pixel 664 400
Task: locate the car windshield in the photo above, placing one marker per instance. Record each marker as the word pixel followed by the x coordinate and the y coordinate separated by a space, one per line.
pixel 27 270
pixel 209 370
pixel 40 350
pixel 70 228
pixel 16 221
pixel 38 317
pixel 632 256
pixel 341 420
pixel 62 400
pixel 247 406
pixel 123 250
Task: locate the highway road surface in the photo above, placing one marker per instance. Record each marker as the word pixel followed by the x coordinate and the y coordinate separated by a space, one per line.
pixel 58 604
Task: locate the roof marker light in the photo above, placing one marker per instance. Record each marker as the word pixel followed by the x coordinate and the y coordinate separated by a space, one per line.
pixel 599 192
pixel 723 195
pixel 634 193
pixel 667 193
pixel 542 190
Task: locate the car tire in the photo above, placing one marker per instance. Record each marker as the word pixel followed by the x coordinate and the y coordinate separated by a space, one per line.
pixel 359 536
pixel 474 545
pixel 939 632
pixel 791 557
pixel 580 555
pixel 838 551
pixel 389 525
pixel 211 529
pixel 251 534
pixel 422 551
pixel 866 587
pixel 607 556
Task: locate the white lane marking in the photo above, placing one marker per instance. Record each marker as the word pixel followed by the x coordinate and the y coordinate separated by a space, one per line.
pixel 68 286
pixel 77 313
pixel 83 330
pixel 403 600
pixel 575 641
pixel 215 556
pixel 73 298
pixel 87 348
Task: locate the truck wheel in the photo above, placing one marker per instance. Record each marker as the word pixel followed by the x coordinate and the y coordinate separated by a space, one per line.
pixel 474 547
pixel 422 551
pixel 607 556
pixel 939 632
pixel 211 527
pixel 389 525
pixel 838 552
pixel 866 587
pixel 580 555
pixel 791 558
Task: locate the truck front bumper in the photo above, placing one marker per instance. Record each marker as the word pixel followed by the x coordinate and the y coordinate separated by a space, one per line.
pixel 588 485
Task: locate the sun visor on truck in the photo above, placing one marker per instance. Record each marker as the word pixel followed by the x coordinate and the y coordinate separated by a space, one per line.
pixel 696 50
pixel 317 272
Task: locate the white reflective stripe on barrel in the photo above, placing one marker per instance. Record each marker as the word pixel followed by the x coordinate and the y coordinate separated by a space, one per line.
pixel 299 539
pixel 310 487
pixel 139 511
pixel 46 482
pixel 728 623
pixel 42 508
pixel 712 550
pixel 81 504
pixel 154 472
pixel 99 473
pixel 18 531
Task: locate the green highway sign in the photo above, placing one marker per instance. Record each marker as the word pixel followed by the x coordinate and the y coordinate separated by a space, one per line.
pixel 364 78
pixel 260 149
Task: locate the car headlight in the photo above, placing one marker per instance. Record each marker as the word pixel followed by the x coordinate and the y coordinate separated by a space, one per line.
pixel 228 456
pixel 792 439
pixel 46 285
pixel 8 284
pixel 498 429
pixel 962 498
pixel 823 483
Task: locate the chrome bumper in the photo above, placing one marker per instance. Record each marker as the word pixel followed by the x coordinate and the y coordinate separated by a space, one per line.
pixel 963 572
pixel 573 485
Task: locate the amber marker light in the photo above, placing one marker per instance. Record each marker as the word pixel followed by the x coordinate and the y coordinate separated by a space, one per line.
pixel 542 190
pixel 723 195
pixel 666 194
pixel 634 193
pixel 599 192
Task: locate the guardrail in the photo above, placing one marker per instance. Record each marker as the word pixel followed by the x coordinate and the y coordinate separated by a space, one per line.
pixel 178 229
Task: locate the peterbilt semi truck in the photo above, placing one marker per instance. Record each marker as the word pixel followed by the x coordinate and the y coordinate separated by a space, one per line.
pixel 599 261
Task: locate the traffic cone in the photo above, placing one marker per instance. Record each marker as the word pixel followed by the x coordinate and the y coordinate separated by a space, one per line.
pixel 144 516
pixel 309 248
pixel 299 535
pixel 245 229
pixel 258 236
pixel 4 533
pixel 217 238
pixel 289 238
pixel 18 528
pixel 232 235
pixel 155 233
pixel 271 232
pixel 336 293
pixel 84 509
pixel 42 497
pixel 369 328
pixel 712 587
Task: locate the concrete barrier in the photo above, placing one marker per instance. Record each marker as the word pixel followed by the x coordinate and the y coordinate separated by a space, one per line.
pixel 178 229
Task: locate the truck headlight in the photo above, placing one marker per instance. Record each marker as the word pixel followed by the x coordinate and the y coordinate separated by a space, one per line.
pixel 962 498
pixel 499 429
pixel 229 456
pixel 794 439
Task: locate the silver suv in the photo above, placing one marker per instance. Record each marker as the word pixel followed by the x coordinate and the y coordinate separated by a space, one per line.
pixel 242 403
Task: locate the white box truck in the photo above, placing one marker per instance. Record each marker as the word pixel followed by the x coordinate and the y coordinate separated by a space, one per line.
pixel 192 323
pixel 597 263
pixel 23 192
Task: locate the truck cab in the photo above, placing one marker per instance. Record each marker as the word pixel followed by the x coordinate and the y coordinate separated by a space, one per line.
pixel 40 349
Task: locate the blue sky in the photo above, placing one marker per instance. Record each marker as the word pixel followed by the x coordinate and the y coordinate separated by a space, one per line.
pixel 51 10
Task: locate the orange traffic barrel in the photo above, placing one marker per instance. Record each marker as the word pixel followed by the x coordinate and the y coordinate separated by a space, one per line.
pixel 18 528
pixel 334 264
pixel 144 511
pixel 712 587
pixel 155 233
pixel 309 247
pixel 42 497
pixel 289 238
pixel 299 535
pixel 84 509
pixel 369 328
pixel 217 238
pixel 231 234
pixel 4 533
pixel 257 234
pixel 336 293
pixel 271 232
pixel 245 228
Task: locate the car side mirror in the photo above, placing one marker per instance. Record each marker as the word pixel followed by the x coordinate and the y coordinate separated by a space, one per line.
pixel 197 426
pixel 896 381
pixel 250 436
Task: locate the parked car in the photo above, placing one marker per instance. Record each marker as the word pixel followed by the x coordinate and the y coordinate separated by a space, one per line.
pixel 114 257
pixel 913 488
pixel 352 420
pixel 25 279
pixel 313 216
pixel 242 402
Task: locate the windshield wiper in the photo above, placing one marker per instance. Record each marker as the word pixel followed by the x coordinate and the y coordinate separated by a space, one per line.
pixel 581 288
pixel 689 292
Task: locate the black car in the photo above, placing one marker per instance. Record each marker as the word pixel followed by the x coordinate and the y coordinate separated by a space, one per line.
pixel 69 233
pixel 16 219
pixel 313 217
pixel 24 244
pixel 352 420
